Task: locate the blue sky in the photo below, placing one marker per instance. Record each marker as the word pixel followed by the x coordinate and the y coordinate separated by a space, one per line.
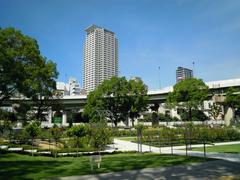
pixel 151 33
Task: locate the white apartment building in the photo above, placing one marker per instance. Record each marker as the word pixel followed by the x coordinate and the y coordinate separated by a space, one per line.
pixel 100 57
pixel 72 88
pixel 62 88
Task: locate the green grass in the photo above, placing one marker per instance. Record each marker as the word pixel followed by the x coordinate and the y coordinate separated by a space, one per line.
pixel 234 148
pixel 15 166
pixel 134 138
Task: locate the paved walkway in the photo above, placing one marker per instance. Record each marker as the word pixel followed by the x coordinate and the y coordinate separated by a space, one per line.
pixel 198 171
pixel 122 145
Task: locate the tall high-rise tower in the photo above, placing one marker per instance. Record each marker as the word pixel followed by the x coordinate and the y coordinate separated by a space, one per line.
pixel 100 56
pixel 183 73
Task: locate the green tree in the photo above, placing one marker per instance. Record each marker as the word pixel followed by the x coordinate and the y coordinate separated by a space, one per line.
pixel 78 132
pixel 196 115
pixel 140 128
pixel 56 133
pixel 100 135
pixel 155 119
pixel 232 100
pixel 215 110
pixel 6 128
pixel 21 110
pixel 14 50
pixel 166 117
pixel 138 98
pixel 33 130
pixel 24 71
pixel 155 107
pixel 5 115
pixel 117 96
pixel 42 86
pixel 188 94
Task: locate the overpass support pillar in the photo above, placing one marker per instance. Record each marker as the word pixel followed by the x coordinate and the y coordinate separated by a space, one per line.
pixel 64 118
pixel 50 116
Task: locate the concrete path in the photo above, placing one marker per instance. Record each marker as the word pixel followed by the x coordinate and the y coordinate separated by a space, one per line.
pixel 122 145
pixel 198 171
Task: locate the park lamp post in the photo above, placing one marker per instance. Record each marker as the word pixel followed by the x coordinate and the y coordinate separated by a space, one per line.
pixel 103 113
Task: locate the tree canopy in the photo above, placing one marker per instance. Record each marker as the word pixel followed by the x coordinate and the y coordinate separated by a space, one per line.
pixel 78 131
pixel 138 98
pixel 119 98
pixel 215 110
pixel 196 115
pixel 33 130
pixel 233 100
pixel 188 94
pixel 100 135
pixel 23 70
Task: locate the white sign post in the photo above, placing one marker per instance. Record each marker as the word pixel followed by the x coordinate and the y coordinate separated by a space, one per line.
pixel 95 159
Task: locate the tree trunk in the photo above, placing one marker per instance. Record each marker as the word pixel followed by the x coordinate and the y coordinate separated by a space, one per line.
pixel 39 111
pixel 132 122
pixel 77 150
pixel 190 114
pixel 49 143
pixel 32 146
pixel 56 149
pixel 233 119
pixel 115 123
pixel 77 146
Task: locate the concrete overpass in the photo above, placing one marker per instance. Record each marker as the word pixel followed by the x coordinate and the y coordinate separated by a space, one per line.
pixel 75 104
pixel 158 96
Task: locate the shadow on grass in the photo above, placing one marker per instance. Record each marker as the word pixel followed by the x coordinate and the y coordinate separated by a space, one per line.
pixel 217 169
pixel 145 161
pixel 21 169
pixel 14 166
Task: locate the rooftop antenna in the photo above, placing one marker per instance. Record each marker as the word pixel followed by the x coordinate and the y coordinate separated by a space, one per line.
pixel 159 68
pixel 194 73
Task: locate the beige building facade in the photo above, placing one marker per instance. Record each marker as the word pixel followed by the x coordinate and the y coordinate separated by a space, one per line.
pixel 100 57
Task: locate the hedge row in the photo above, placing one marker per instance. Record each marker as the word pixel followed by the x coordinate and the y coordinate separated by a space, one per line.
pixel 196 132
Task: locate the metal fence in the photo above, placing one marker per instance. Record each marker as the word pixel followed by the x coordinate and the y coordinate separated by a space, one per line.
pixel 171 143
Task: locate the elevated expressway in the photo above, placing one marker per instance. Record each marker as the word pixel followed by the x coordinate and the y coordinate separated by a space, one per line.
pixel 217 89
pixel 75 104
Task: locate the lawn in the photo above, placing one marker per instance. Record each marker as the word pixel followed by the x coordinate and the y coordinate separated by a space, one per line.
pixel 133 139
pixel 15 166
pixel 234 148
